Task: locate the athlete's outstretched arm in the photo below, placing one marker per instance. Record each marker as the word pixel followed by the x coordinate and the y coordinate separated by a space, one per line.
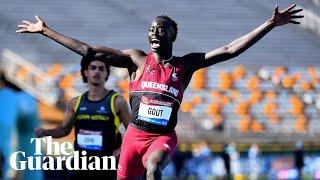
pixel 121 58
pixel 41 28
pixel 241 44
pixel 65 128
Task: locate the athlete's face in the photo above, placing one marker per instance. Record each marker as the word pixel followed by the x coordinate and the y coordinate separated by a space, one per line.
pixel 96 73
pixel 160 35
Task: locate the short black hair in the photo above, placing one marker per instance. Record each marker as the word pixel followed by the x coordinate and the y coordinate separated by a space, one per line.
pixel 87 59
pixel 172 23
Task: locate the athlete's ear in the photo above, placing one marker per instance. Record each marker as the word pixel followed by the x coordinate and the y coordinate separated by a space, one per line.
pixel 86 73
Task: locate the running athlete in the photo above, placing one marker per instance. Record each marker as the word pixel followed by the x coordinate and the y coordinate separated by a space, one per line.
pixel 96 115
pixel 18 116
pixel 158 80
pixel 8 120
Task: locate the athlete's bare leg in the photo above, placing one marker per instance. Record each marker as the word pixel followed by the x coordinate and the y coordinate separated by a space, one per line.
pixel 155 163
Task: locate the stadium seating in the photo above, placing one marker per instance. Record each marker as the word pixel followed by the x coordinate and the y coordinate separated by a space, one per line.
pixel 236 99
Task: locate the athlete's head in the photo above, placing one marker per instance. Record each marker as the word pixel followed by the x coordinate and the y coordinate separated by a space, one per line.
pixel 94 71
pixel 162 33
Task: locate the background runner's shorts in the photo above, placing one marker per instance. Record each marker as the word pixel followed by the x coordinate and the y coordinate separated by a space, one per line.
pixel 137 145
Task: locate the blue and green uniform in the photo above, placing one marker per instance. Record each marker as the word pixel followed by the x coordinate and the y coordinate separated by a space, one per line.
pixel 97 125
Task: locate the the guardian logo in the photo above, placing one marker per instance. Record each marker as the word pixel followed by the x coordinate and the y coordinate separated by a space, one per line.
pixel 53 159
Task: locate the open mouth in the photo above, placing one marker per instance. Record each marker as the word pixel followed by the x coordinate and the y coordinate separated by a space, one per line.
pixel 155 43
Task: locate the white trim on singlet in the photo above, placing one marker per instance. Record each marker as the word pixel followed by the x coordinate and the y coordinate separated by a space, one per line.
pixel 161 94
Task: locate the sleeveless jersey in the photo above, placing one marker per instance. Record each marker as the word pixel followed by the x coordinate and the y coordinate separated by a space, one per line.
pixel 156 96
pixel 97 125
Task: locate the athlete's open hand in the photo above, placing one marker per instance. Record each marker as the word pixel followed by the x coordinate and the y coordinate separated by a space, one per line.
pixel 286 16
pixel 29 27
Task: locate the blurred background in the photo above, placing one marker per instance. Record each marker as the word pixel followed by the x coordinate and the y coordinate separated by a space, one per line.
pixel 256 116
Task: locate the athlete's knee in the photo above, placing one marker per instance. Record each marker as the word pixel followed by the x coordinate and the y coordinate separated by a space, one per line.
pixel 154 170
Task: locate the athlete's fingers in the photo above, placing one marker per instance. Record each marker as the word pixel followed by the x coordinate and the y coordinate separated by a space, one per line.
pixel 276 9
pixel 295 11
pixel 294 22
pixel 22 26
pixel 38 18
pixel 290 7
pixel 27 22
pixel 295 17
pixel 21 31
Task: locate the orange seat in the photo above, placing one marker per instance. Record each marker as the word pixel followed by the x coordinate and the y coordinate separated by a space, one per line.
pixel 253 83
pixel 242 108
pixel 297 106
pixel 306 86
pixel 218 97
pixel 224 100
pixel 54 70
pixel 235 95
pixel 186 106
pixel 214 109
pixel 270 95
pixel 269 109
pixel 255 97
pixel 225 81
pixel 257 127
pixel 66 81
pixel 244 124
pixel 238 72
pixel 288 82
pixel 199 79
pixel 196 100
pixel 301 124
pixel 280 70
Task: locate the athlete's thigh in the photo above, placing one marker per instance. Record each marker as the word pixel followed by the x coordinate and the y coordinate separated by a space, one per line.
pixel 158 157
pixel 130 163
pixel 161 150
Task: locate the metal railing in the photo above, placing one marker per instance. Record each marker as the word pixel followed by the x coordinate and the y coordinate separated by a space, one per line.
pixel 35 81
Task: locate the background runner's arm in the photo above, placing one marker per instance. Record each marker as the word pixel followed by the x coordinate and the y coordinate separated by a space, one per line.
pixel 123 110
pixel 63 129
pixel 241 44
